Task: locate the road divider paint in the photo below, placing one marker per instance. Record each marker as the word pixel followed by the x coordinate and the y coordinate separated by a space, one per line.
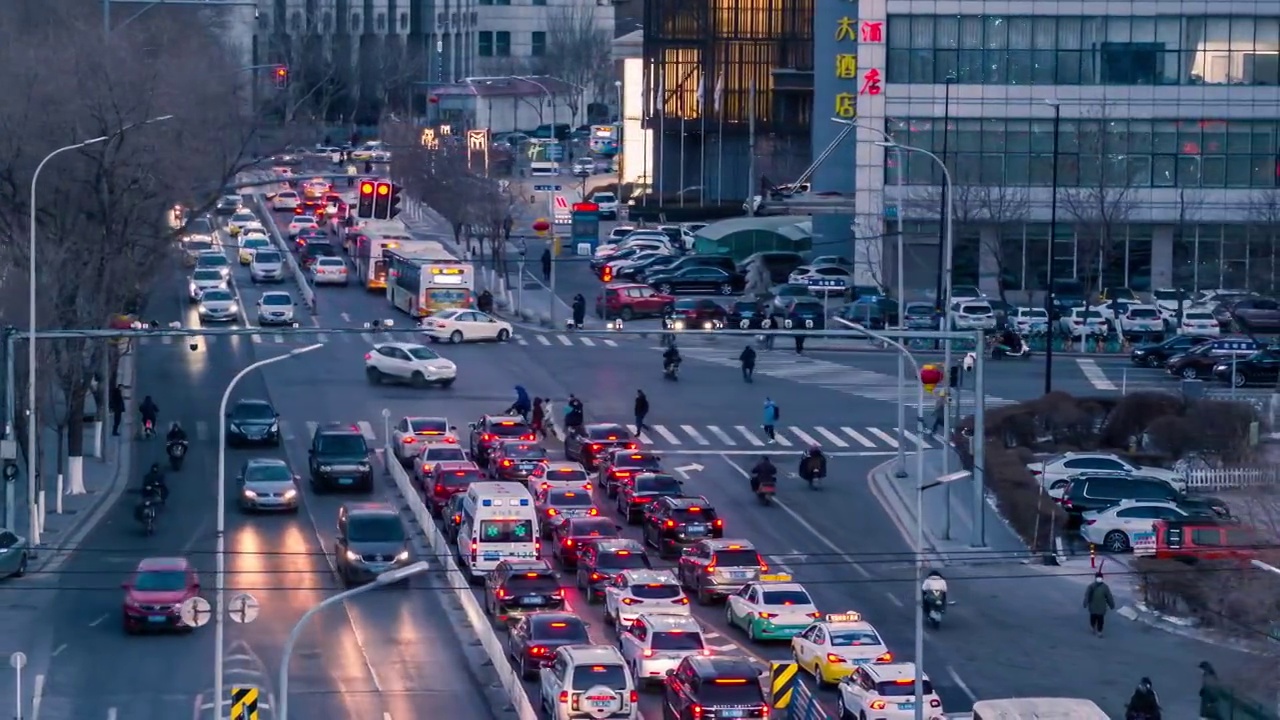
pixel 512 684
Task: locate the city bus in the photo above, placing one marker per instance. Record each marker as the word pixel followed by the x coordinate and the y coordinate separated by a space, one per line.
pixel 424 280
pixel 369 244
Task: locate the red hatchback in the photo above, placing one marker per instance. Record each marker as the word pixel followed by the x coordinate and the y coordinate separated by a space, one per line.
pixel 631 300
pixel 448 479
pixel 155 592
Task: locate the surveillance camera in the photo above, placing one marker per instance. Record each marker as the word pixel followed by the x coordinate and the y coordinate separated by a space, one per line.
pixel 369 326
pixel 193 345
pixel 175 325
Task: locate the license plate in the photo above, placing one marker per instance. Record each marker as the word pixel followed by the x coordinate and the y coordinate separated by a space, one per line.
pixel 696 529
pixel 907 706
pixel 732 713
pixel 531 601
pixel 492 556
pixel 739 574
pixel 577 513
pixel 861 661
pixel 157 619
pixel 346 481
pixel 526 467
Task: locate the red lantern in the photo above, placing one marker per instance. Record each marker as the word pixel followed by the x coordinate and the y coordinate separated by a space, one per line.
pixel 433 99
pixel 930 376
pixel 541 225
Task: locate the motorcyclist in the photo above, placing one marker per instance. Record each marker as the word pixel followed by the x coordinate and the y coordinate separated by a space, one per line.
pixel 484 303
pixel 670 358
pixel 934 582
pixel 144 510
pixel 764 473
pixel 579 310
pixel 522 406
pixel 176 434
pixel 813 464
pixel 154 479
pixel 1010 341
pixel 1144 704
pixel 149 411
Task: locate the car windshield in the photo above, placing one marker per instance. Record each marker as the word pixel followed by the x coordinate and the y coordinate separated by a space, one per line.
pixel 787 597
pixel 375 529
pixel 1089 314
pixel 266 257
pixel 256 242
pixel 1197 316
pixel 569 498
pixel 532 582
pixel 976 309
pixel 198 245
pixel 525 452
pixel 693 515
pixel 459 478
pixel 731 691
pixel 268 473
pixel 277 300
pixel 655 591
pixel 254 411
pixel 657 484
pixel 421 353
pixel 216 296
pixel 592 527
pixel 676 640
pixel 852 637
pixel 508 429
pixel 444 454
pixel 1144 313
pixel 614 677
pixel 902 688
pixel 438 426
pixel 569 631
pixel 160 581
pixel 212 260
pixel 506 531
pixel 207 276
pixel 609 433
pixel 1167 294
pixel 243 217
pixel 343 445
pixel 737 558
pixel 623 560
pixel 199 226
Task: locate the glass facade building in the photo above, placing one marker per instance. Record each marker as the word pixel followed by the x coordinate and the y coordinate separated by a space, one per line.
pixel 1157 134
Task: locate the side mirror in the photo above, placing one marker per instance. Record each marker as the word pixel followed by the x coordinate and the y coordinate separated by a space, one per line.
pixel 471 426
pixel 670 672
pixel 453 428
pixel 618 528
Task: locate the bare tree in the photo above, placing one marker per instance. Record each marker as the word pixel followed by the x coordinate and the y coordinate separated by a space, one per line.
pixel 579 52
pixel 1101 199
pixel 978 208
pixel 1264 216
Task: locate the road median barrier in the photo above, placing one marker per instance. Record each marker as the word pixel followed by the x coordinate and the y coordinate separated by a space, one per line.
pixel 512 685
pixel 305 291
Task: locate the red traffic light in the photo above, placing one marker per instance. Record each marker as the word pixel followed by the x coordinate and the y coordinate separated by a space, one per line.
pixel 366 188
pixel 282 72
pixel 384 189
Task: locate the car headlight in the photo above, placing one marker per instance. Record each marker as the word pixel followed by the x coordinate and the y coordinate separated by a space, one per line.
pixel 362 467
pixel 250 494
pixel 290 494
pixel 404 555
pixel 233 307
pixel 353 557
pixel 678 325
pixel 325 468
pixel 275 427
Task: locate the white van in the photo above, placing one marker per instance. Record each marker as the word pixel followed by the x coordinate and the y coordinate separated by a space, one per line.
pixel 1036 709
pixel 498 522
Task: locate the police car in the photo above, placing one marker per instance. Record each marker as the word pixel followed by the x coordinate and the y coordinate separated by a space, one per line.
pixel 832 648
pixel 773 608
pixel 886 692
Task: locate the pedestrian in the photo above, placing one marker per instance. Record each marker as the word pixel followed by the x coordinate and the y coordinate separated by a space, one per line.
pixel 116 404
pixel 1098 600
pixel 351 174
pixel 748 360
pixel 539 416
pixel 771 416
pixel 579 310
pixel 799 344
pixel 939 410
pixel 1144 704
pixel 642 409
pixel 368 167
pixel 546 265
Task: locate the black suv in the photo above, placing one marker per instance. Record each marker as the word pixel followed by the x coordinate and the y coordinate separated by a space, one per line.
pixel 713 687
pixel 600 561
pixel 672 523
pixel 573 534
pixel 252 422
pixel 589 444
pixel 636 492
pixel 1098 491
pixel 493 429
pixel 746 315
pixel 339 459
pixel 1157 354
pixel 1199 361
pixel 516 587
pixel 1260 368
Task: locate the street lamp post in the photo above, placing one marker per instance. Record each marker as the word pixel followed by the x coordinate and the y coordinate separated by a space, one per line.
pixel 902 297
pixel 1053 238
pixel 31 320
pixel 386 578
pixel 920 487
pixel 220 569
pixel 617 156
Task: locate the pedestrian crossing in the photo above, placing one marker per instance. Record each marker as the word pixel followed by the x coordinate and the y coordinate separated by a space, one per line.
pixel 709 438
pixel 849 380
pixel 302 337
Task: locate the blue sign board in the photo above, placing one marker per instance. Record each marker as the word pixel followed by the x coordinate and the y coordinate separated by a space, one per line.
pixel 826 282
pixel 546 188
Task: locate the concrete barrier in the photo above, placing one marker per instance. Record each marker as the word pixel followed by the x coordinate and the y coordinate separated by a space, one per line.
pixel 305 292
pixel 511 682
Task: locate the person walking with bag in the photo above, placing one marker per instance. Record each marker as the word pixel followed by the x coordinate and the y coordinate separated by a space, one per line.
pixel 771 416
pixel 115 404
pixel 1098 600
pixel 641 411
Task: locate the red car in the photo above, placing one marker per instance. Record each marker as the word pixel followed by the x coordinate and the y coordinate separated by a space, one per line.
pixel 448 479
pixel 631 300
pixel 155 592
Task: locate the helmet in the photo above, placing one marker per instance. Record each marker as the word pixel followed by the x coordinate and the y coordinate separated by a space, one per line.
pixel 935 573
pixel 155 467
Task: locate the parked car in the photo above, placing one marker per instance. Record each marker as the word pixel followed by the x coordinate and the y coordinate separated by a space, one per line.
pixel 1114 528
pixel 972 315
pixel 1082 321
pixel 1054 471
pixel 1199 361
pixel 702 280
pixel 1260 368
pixel 1140 320
pixel 778 263
pixel 1251 315
pixel 1157 354
pixel 1027 320
pixel 874 313
pixel 1196 322
pixel 1098 491
pixel 920 316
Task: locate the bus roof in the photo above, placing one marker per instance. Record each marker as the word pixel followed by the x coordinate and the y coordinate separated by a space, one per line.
pixel 1038 709
pixel 421 253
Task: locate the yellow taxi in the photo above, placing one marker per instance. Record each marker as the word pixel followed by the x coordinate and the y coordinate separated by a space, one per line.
pixel 833 647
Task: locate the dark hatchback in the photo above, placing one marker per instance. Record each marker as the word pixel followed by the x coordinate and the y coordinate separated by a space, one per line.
pixel 635 493
pixel 808 314
pixel 534 639
pixel 701 314
pixel 677 522
pixel 746 315
pixel 620 464
pixel 516 587
pixel 600 561
pixel 515 460
pixel 1155 355
pixel 573 534
pixel 253 422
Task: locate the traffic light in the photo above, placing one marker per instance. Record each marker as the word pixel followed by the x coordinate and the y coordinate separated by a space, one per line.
pixel 393 208
pixel 281 75
pixel 364 208
pixel 382 200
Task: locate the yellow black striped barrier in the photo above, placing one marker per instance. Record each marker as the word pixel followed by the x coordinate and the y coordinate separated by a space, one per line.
pixel 783 680
pixel 244 703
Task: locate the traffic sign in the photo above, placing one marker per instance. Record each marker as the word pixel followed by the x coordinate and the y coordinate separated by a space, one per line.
pixel 244 608
pixel 18 660
pixel 561 212
pixel 562 203
pixel 195 612
pixel 546 188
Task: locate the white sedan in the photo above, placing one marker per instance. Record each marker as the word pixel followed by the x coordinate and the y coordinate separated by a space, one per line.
pixel 415 364
pixel 285 200
pixel 412 432
pixel 241 220
pixel 1197 321
pixel 329 271
pixel 1118 527
pixel 275 308
pixel 218 306
pixel 460 325
pixel 1083 321
pixel 1054 472
pixel 650 591
pixel 299 223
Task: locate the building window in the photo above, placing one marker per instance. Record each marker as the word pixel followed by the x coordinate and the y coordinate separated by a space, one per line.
pixel 485 41
pixel 404 22
pixel 381 22
pixel 295 22
pixel 502 43
pixel 538 43
pixel 486 2
pixel 355 22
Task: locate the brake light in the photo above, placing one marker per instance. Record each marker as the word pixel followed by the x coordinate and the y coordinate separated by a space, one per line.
pixel 559 592
pixel 593 512
pixel 475 550
pixel 669 524
pixel 457 518
pixel 718 524
pixel 595 447
pixel 552 512
pixel 768 615
pixel 596 576
pixel 764 566
pixel 711 566
pixel 680 601
pixel 486 437
pixel 815 615
pixel 439 488
pixel 568 542
pixel 876 704
pixel 564 696
pixel 697 711
pixel 537 650
pixel 834 659
pixel 368 356
pixel 640 500
pixel 884 657
pixel 632 446
pixel 731 681
pixel 504 595
pixel 621 474
pixel 408 440
pixel 635 696
pixel 648 653
pixel 632 601
pixel 506 463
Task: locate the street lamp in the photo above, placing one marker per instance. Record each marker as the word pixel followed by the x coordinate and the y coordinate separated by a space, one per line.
pixel 1053 238
pixel 31 317
pixel 902 298
pixel 386 578
pixel 920 488
pixel 220 569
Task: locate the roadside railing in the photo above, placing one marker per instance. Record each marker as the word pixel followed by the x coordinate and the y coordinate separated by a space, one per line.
pixel 305 291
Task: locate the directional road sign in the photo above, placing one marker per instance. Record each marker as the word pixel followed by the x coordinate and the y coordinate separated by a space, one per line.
pixel 244 608
pixel 546 188
pixel 562 214
pixel 195 612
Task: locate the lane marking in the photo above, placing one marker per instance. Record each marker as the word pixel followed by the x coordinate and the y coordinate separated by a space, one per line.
pixel 58 651
pixel 805 438
pixel 893 598
pixel 111 714
pixel 610 343
pixel 955 676
pixel 543 339
pixel 37 691
pixel 587 341
pixel 666 434
pixel 202 430
pixel 345 317
pixel 886 437
pixel 165 339
pixel 780 438
pixel 831 437
pixel 857 436
pixel 1093 373
pixel 805 524
pixel 278 338
pixel 366 429
pixel 520 340
pixel 692 432
pixel 920 443
pixel 721 435
pixel 747 434
pixel 644 438
pixel 564 340
pixel 97 622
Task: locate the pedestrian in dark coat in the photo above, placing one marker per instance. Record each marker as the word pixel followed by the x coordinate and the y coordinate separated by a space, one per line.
pixel 546 265
pixel 748 360
pixel 579 310
pixel 115 403
pixel 1098 600
pixel 642 409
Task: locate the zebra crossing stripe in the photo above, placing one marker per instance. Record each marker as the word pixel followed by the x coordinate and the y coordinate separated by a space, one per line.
pixel 644 438
pixel 858 437
pixel 610 343
pixel 564 340
pixel 286 430
pixel 543 339
pixel 587 341
pixel 311 428
pixel 747 434
pixel 805 438
pixel 255 338
pixel 692 432
pixel 781 439
pixel 321 338
pixel 915 438
pixel 279 339
pixel 368 337
pixel 831 437
pixel 666 434
pixel 890 440
pixel 521 341
pixel 166 339
pixel 721 435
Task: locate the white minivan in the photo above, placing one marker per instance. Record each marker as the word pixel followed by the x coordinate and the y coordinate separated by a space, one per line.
pixel 499 522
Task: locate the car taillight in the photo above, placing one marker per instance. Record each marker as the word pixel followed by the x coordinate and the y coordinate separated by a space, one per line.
pixel 622 474
pixel 367 356
pixel 640 500
pixel 878 705
pixel 568 542
pixel 764 566
pixel 711 566
pixel 834 659
pixel 648 653
pixel 718 524
pixel 564 696
pixel 593 512
pixel 504 595
pixel 814 615
pixel 537 547
pixel 1036 473
pixel 669 524
pixel 475 550
pixel 680 601
pixel 486 437
pixel 530 437
pixel 632 446
pixel 632 601
pixel 596 576
pixel 595 447
pixel 457 518
pixel 552 512
pixel 439 488
pixel 697 711
pixel 635 696
pixel 408 440
pixel 537 650
pixel 768 615
pixel 884 657
pixel 506 463
pixel 559 592
pixel 1090 522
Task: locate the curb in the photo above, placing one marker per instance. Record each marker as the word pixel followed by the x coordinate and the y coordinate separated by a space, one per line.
pixel 897 508
pixel 1183 627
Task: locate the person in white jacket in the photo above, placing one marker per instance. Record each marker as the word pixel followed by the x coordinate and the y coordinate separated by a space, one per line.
pixel 934 581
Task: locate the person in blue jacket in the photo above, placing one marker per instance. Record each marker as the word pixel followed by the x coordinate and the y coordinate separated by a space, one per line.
pixel 771 415
pixel 522 406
